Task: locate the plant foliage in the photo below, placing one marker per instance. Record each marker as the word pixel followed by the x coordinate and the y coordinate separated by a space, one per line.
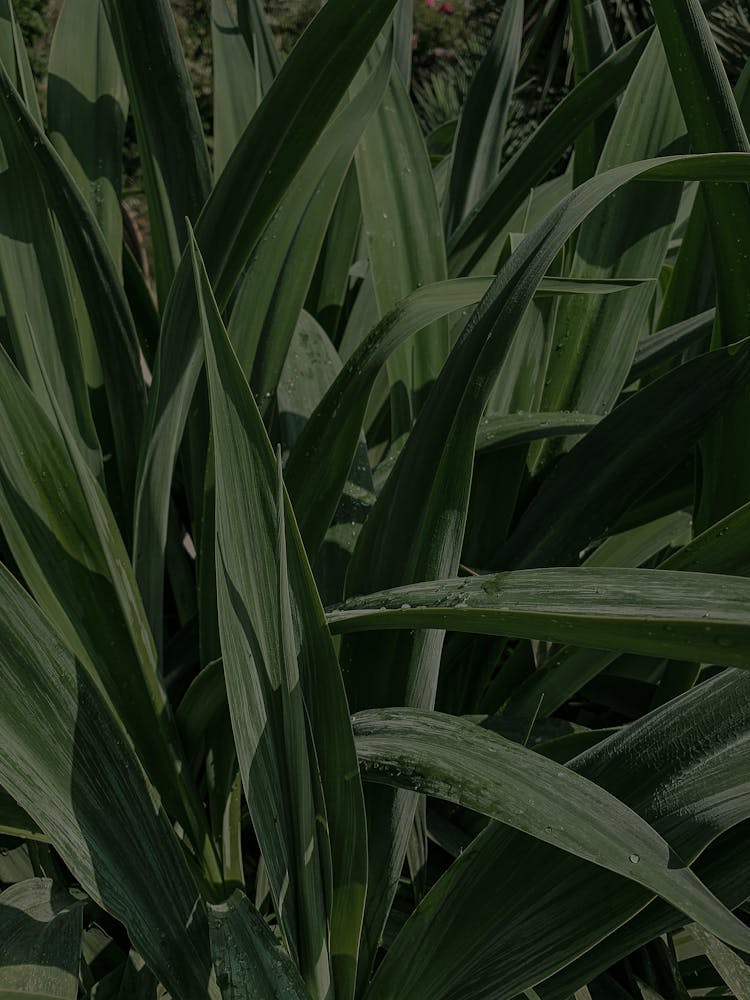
pixel 374 613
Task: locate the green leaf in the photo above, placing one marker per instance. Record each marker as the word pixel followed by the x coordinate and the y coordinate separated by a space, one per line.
pixel 415 530
pixel 478 144
pixel 286 697
pixel 276 143
pixel 259 39
pixel 14 58
pixel 719 867
pixel 533 161
pixel 622 457
pixel 516 428
pixel 595 339
pixel 722 548
pixel 40 928
pixel 688 616
pixel 592 44
pixel 731 968
pixel 682 769
pixel 33 283
pixel 714 124
pixel 250 965
pixel 453 759
pixel 670 341
pixel 107 307
pixel 15 822
pixel 174 161
pixel 279 273
pixel 87 106
pixel 63 752
pixel 322 455
pixel 237 91
pixel 404 238
pixel 63 536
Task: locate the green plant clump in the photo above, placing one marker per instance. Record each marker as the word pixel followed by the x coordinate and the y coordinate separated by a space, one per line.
pixel 374 611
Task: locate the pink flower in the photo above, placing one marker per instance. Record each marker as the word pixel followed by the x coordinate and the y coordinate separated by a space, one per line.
pixel 446 8
pixel 430 3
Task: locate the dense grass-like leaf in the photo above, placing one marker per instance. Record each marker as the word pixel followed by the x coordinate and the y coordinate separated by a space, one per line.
pixel 714 123
pixel 530 164
pixel 284 129
pixel 597 481
pixel 415 530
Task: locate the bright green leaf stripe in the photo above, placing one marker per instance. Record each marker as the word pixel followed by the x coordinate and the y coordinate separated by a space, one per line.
pixel 686 616
pixel 303 97
pixel 63 753
pixel 40 931
pixel 263 652
pixel 265 700
pixel 250 965
pixel 453 759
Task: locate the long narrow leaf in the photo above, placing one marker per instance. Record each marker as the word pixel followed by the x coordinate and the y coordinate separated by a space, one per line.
pixel 280 672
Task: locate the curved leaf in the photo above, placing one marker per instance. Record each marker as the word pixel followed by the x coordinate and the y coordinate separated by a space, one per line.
pixel 688 616
pixel 477 933
pixel 453 759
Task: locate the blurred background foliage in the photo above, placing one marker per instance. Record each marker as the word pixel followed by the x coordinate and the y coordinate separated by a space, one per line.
pixel 450 38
